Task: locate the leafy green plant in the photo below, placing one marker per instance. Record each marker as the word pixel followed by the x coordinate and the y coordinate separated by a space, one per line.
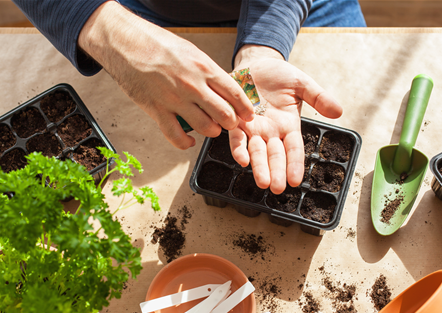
pixel 55 261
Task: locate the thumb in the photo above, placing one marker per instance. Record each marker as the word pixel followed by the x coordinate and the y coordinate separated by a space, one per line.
pixel 321 100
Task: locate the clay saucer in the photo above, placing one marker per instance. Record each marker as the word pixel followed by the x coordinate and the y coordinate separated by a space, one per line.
pixel 424 296
pixel 196 270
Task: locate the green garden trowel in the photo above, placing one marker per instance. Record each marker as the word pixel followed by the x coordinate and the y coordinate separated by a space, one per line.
pixel 400 169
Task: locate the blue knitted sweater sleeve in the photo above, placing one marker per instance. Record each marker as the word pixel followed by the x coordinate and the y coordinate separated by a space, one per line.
pixel 61 22
pixel 272 23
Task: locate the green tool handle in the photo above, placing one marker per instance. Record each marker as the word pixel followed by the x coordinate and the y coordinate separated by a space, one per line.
pixel 184 125
pixel 420 92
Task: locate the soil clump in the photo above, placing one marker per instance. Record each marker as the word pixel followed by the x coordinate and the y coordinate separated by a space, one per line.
pixel 28 122
pixel 215 177
pixel 327 176
pixel 310 135
pixel 13 160
pixel 46 143
pixel 88 155
pixel 252 244
pixel 390 208
pixel 285 202
pixel 311 305
pixel 170 238
pixel 318 207
pixel 7 139
pixel 57 105
pixel 336 147
pixel 246 189
pixel 380 293
pixel 73 130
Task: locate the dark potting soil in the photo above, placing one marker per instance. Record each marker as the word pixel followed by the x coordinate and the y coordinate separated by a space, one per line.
pixel 327 176
pixel 307 164
pixel 7 138
pixel 250 244
pixel 310 135
pixel 380 293
pixel 390 208
pixel 45 143
pixel 88 155
pixel 311 305
pixel 245 188
pixel 170 238
pixel 13 160
pixel 73 130
pixel 287 201
pixel 28 122
pixel 267 293
pixel 220 149
pixel 318 207
pixel 402 178
pixel 215 177
pixel 336 147
pixel 57 105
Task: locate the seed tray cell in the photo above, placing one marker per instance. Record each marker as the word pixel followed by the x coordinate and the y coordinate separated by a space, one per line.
pixel 331 154
pixel 436 168
pixel 59 119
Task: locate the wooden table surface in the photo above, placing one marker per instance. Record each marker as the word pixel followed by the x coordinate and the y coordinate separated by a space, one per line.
pixel 368 70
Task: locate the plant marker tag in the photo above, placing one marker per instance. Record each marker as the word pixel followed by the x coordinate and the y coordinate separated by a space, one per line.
pixel 178 298
pixel 243 292
pixel 213 300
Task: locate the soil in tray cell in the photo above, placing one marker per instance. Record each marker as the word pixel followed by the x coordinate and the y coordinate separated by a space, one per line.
pixel 215 177
pixel 45 143
pixel 220 149
pixel 287 201
pixel 245 188
pixel 57 105
pixel 7 138
pixel 73 130
pixel 307 163
pixel 88 155
pixel 28 122
pixel 318 207
pixel 327 176
pixel 310 135
pixel 13 160
pixel 336 146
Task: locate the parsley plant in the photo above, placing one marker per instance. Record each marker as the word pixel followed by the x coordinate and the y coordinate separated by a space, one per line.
pixel 55 261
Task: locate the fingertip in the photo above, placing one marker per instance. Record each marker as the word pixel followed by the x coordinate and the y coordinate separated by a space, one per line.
pixel 250 117
pixel 327 106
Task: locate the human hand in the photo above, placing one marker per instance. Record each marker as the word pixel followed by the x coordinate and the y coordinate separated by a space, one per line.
pixel 164 74
pixel 275 146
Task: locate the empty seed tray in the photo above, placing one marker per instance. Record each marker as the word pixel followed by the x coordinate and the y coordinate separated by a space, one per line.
pixel 331 154
pixel 55 123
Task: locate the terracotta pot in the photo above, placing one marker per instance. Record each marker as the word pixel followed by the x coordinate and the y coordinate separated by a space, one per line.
pixel 196 270
pixel 424 296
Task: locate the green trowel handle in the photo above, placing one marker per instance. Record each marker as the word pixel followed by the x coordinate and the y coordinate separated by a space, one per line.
pixel 417 104
pixel 186 127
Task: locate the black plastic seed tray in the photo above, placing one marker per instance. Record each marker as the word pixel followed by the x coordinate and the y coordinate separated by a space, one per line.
pixel 51 120
pixel 331 154
pixel 436 166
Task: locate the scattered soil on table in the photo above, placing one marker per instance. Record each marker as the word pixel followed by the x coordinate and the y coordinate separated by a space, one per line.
pixel 310 304
pixel 28 122
pixel 380 293
pixel 287 201
pixel 336 147
pixel 351 233
pixel 57 105
pixel 220 149
pixel 215 177
pixel 318 207
pixel 266 294
pixel 170 238
pixel 186 215
pixel 246 189
pixel 254 245
pixel 342 296
pixel 7 138
pixel 88 155
pixel 310 135
pixel 73 130
pixel 46 143
pixel 327 176
pixel 13 160
pixel 390 208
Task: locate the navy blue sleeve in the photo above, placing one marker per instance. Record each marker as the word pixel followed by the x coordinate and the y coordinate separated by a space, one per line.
pixel 272 23
pixel 61 22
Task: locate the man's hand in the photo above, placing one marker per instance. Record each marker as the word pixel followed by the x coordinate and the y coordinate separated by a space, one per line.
pixel 275 146
pixel 164 74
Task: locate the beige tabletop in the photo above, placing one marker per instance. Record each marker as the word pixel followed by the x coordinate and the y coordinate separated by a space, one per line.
pixel 369 71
